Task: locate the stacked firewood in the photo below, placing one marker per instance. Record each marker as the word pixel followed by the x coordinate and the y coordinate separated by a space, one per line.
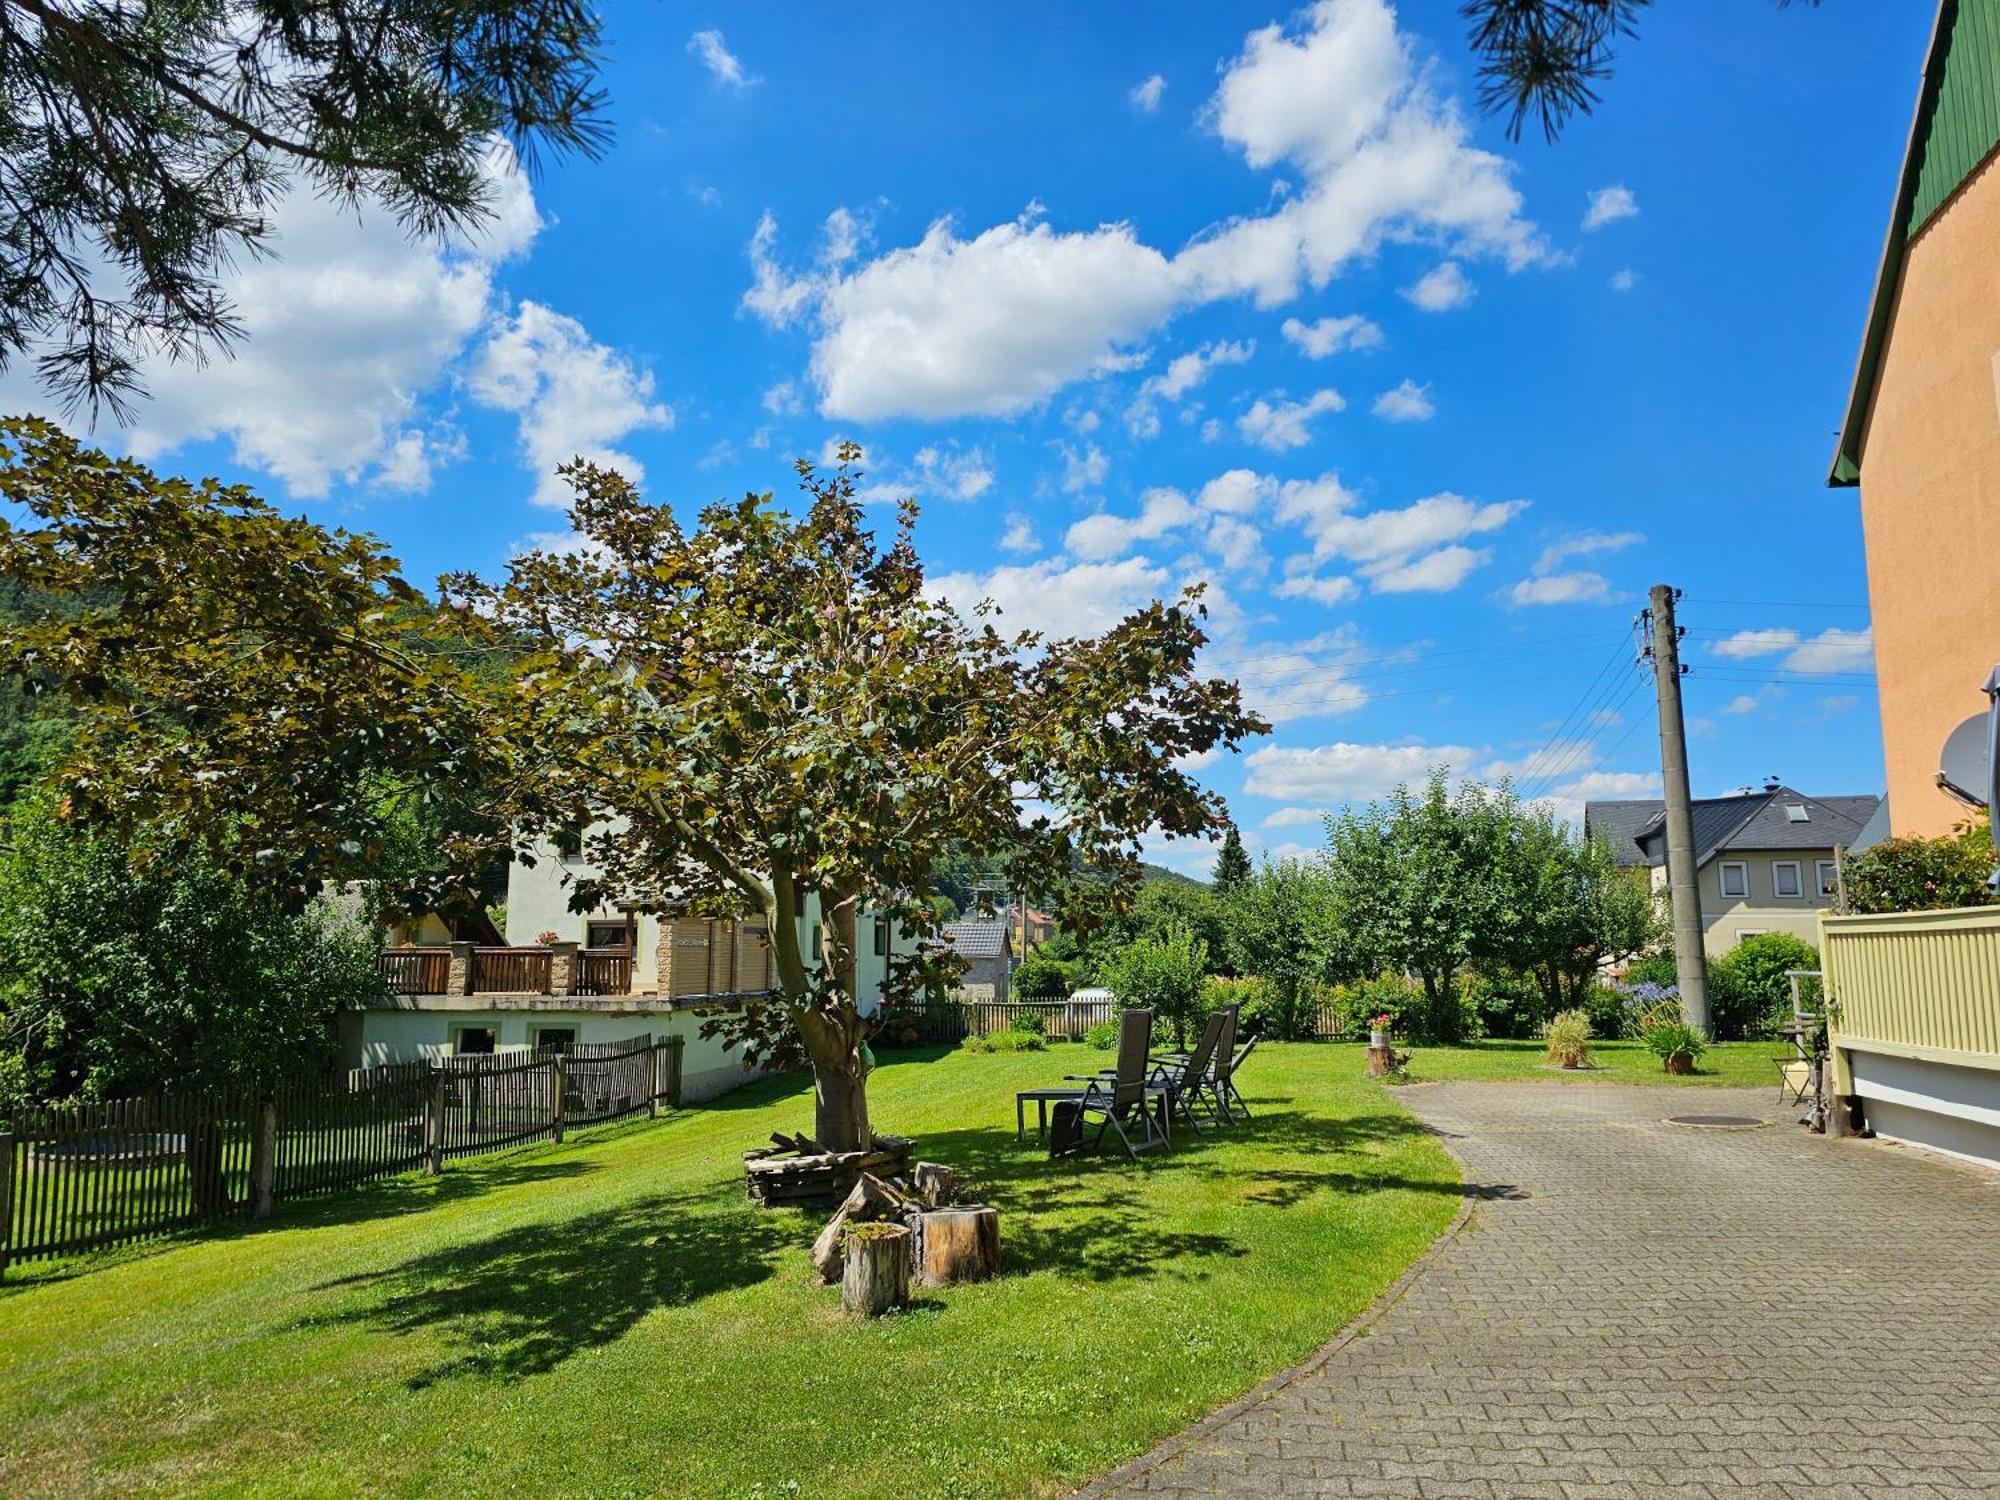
pixel 793 1172
pixel 948 1240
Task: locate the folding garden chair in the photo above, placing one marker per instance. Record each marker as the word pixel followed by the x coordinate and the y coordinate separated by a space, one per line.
pixel 1128 1100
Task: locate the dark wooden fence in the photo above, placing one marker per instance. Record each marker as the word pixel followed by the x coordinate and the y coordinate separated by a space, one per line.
pixel 511 971
pixel 415 971
pixel 80 1176
pixel 955 1020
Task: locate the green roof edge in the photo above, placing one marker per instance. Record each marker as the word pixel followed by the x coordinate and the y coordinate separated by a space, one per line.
pixel 1846 469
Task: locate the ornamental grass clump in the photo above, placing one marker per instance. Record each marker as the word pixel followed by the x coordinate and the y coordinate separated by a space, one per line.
pixel 1667 1035
pixel 1568 1038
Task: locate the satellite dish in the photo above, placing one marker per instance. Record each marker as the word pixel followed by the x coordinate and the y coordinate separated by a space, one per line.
pixel 1963 769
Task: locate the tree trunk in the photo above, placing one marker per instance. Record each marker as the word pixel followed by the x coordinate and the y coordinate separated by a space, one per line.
pixel 958 1244
pixel 840 1087
pixel 876 1276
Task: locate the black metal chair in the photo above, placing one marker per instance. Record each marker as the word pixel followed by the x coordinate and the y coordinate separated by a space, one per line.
pixel 1127 1100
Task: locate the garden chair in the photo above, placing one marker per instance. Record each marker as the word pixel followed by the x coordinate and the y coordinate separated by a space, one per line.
pixel 1190 1077
pixel 1225 1077
pixel 1126 1101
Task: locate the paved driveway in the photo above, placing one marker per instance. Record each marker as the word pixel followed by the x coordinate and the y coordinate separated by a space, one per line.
pixel 1637 1308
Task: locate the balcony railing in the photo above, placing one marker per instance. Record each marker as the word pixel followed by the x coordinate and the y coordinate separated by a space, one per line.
pixel 511 971
pixel 416 971
pixel 603 971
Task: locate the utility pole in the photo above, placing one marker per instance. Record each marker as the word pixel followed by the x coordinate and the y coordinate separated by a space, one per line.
pixel 1663 645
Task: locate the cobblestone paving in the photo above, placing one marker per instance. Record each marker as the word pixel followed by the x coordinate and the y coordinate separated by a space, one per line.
pixel 1637 1308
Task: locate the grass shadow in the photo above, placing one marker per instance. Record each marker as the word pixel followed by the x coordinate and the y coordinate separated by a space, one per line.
pixel 522 1302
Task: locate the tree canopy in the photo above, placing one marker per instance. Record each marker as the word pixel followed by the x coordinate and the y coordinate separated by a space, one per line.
pixel 147 144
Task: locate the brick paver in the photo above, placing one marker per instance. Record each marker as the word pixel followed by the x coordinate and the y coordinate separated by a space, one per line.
pixel 1636 1308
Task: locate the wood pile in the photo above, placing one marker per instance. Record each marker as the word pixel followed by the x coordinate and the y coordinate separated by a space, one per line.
pixel 948 1241
pixel 793 1172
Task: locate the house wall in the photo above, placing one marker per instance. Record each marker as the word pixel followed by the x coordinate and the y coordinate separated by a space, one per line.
pixel 421 1029
pixel 1930 498
pixel 1726 921
pixel 1945 1108
pixel 538 902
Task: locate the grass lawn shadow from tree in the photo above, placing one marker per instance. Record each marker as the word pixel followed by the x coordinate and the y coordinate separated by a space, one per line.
pixel 524 1301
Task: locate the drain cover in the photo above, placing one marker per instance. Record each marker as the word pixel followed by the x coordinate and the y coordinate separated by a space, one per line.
pixel 1723 1122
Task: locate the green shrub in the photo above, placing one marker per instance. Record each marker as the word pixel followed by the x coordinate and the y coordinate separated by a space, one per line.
pixel 1506 1003
pixel 1747 990
pixel 1005 1041
pixel 1653 968
pixel 1040 977
pixel 1103 1036
pixel 1252 997
pixel 1031 1020
pixel 1568 1036
pixel 1163 974
pixel 1611 1011
pixel 1913 874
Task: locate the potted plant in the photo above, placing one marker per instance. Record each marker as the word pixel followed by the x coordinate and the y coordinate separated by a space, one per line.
pixel 1675 1043
pixel 1568 1038
pixel 1378 1030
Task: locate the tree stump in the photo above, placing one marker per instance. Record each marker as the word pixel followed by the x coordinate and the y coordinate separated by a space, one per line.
pixel 871 1199
pixel 958 1244
pixel 1381 1061
pixel 877 1275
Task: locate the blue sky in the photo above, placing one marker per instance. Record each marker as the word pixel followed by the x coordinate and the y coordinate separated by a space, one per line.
pixel 1223 292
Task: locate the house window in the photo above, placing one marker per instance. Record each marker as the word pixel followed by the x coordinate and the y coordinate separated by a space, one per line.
pixel 816 944
pixel 472 1041
pixel 1786 879
pixel 569 843
pixel 1736 879
pixel 1829 880
pixel 552 1038
pixel 881 937
pixel 609 935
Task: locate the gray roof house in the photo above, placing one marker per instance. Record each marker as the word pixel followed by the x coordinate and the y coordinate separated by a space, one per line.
pixel 988 965
pixel 1764 859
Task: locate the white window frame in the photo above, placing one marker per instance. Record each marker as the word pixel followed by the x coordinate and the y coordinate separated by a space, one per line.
pixel 1827 873
pixel 1742 869
pixel 1798 880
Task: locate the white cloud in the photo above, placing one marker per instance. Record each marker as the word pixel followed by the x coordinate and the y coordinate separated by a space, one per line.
pixel 843 236
pixel 1106 536
pixel 1020 536
pixel 1408 402
pixel 1566 800
pixel 783 399
pixel 1289 685
pixel 1344 771
pixel 1238 545
pixel 345 329
pixel 1743 703
pixel 1395 534
pixel 774 295
pixel 574 397
pixel 1236 492
pixel 1182 374
pixel 998 322
pixel 718 59
pixel 1082 470
pixel 1434 573
pixel 1146 96
pixel 1624 279
pixel 1577 587
pixel 1584 544
pixel 1321 590
pixel 937 471
pixel 1607 205
pixel 1756 643
pixel 1835 650
pixel 1441 289
pixel 1329 336
pixel 1295 817
pixel 1281 424
pixel 1059 598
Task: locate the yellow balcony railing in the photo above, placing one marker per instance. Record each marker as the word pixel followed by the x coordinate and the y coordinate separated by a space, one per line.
pixel 1913 984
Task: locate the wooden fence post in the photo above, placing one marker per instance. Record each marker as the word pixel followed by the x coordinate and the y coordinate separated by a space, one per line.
pixel 434 1121
pixel 653 1091
pixel 561 1087
pixel 676 1048
pixel 6 1197
pixel 264 1158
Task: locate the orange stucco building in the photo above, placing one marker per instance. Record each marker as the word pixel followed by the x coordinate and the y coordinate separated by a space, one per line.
pixel 1922 432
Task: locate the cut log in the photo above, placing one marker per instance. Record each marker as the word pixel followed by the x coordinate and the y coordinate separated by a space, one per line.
pixel 933 1182
pixel 958 1244
pixel 872 1199
pixel 877 1276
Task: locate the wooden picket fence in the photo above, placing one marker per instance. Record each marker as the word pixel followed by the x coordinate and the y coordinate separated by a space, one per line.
pixel 77 1177
pixel 955 1020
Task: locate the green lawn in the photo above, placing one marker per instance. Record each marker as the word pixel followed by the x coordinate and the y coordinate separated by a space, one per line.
pixel 610 1318
pixel 1740 1064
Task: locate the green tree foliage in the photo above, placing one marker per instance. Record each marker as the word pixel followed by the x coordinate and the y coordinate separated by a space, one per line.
pixel 241 681
pixel 1039 975
pixel 1574 910
pixel 113 982
pixel 1232 863
pixel 1163 972
pixel 1281 929
pixel 1412 884
pixel 762 708
pixel 1919 874
pixel 1748 990
pixel 142 148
